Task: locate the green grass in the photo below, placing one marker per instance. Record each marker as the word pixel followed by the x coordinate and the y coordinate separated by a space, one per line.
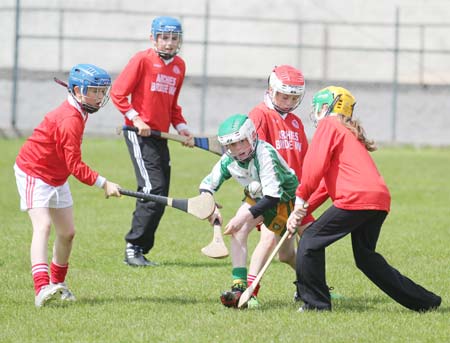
pixel 179 301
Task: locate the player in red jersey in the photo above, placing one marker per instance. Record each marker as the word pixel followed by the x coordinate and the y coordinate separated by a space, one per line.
pixel 278 125
pixel 146 93
pixel 46 160
pixel 338 154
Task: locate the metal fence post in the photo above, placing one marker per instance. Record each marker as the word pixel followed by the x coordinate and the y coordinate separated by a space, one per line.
pixel 325 54
pixel 60 40
pixel 204 69
pixel 395 77
pixel 300 43
pixel 15 70
pixel 421 56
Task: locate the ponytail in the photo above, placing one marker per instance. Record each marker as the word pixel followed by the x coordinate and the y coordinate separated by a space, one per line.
pixel 355 127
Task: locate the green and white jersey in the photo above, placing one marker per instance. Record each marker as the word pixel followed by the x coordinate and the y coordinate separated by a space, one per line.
pixel 267 167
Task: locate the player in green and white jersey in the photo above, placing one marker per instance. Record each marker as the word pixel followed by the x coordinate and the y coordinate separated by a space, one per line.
pixel 269 187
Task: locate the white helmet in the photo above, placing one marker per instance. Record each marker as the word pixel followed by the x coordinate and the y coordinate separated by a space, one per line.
pixel 286 80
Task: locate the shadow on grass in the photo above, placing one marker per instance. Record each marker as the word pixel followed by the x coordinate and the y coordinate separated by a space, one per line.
pixel 191 264
pixel 356 304
pixel 181 300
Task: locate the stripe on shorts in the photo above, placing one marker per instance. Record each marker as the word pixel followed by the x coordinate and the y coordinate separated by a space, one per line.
pixel 137 154
pixel 29 190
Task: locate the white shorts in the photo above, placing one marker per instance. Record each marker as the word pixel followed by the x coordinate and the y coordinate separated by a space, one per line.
pixel 36 193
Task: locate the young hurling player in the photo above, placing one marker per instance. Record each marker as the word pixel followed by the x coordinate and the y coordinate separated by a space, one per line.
pixel 146 93
pixel 45 161
pixel 248 160
pixel 338 153
pixel 277 125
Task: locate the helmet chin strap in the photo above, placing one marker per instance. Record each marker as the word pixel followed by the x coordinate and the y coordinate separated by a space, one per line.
pixel 83 106
pixel 165 55
pixel 89 108
pixel 269 102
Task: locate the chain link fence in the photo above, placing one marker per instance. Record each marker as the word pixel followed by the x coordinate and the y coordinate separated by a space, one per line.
pixel 399 71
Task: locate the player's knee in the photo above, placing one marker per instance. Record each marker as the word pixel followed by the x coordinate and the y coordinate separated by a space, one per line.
pixel 42 231
pixel 286 257
pixel 67 235
pixel 268 242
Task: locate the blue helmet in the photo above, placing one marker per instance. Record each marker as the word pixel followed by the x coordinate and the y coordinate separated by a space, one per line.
pixel 88 75
pixel 85 76
pixel 166 25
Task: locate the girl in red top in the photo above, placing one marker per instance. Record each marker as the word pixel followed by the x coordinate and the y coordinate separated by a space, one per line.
pixel 361 201
pixel 44 163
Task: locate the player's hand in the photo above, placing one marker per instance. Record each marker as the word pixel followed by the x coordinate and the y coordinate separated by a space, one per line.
pixel 143 129
pixel 111 189
pixel 291 225
pixel 216 215
pixel 295 218
pixel 236 223
pixel 189 142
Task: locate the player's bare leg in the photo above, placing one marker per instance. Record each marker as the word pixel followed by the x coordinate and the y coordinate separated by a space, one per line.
pixel 41 222
pixel 65 232
pixel 239 257
pixel 267 242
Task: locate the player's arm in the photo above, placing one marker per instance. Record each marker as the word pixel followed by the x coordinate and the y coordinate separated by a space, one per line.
pixel 258 119
pixel 266 203
pixel 69 145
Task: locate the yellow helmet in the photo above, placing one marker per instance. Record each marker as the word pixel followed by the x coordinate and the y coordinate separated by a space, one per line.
pixel 338 99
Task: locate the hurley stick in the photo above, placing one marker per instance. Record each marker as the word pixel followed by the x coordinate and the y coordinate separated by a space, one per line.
pixel 201 206
pixel 208 143
pixel 245 297
pixel 217 247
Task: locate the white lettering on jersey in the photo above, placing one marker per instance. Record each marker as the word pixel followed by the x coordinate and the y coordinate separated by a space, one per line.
pixel 164 84
pixel 288 140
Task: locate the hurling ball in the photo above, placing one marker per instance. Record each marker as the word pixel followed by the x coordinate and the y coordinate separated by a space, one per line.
pixel 254 190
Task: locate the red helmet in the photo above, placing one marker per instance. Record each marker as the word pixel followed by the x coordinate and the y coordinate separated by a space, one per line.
pixel 287 80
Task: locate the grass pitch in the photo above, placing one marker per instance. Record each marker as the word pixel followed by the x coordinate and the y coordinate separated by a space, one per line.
pixel 179 300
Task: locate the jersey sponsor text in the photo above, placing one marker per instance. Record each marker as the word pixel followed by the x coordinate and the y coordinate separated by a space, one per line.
pixel 164 84
pixel 288 140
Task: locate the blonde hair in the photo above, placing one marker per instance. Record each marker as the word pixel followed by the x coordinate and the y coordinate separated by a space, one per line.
pixel 355 127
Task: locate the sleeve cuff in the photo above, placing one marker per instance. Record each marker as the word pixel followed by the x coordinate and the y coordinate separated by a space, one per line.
pixel 100 182
pixel 131 114
pixel 299 201
pixel 182 126
pixel 203 190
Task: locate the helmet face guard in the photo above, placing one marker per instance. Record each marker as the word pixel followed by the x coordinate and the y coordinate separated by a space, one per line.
pixel 286 80
pixel 338 99
pixel 234 130
pixel 170 28
pixel 94 84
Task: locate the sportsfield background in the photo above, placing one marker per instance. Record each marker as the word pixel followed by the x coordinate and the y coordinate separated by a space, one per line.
pixel 246 39
pixel 179 302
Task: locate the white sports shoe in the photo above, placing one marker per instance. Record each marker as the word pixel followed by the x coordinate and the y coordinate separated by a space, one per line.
pixel 47 294
pixel 66 293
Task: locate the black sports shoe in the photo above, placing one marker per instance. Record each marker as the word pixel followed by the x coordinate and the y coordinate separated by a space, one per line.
pixel 134 257
pixel 231 298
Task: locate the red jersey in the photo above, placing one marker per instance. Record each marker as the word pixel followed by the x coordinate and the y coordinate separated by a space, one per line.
pixel 286 135
pixel 154 88
pixel 53 151
pixel 350 175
